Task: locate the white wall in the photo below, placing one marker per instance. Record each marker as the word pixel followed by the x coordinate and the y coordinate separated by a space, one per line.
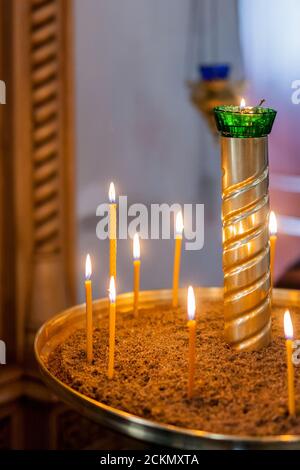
pixel 135 126
pixel 271 47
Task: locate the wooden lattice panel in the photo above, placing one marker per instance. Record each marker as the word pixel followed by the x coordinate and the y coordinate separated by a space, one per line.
pixel 45 59
pixel 36 198
pixel 37 159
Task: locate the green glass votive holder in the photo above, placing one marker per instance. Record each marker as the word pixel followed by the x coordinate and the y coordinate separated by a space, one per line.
pixel 234 121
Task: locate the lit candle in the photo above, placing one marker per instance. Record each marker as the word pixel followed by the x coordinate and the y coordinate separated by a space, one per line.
pixel 177 256
pixel 89 309
pixel 273 239
pixel 288 331
pixel 136 272
pixel 242 105
pixel 112 327
pixel 249 109
pixel 191 308
pixel 112 231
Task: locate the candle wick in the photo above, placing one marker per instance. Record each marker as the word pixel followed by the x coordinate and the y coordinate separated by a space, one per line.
pixel 255 109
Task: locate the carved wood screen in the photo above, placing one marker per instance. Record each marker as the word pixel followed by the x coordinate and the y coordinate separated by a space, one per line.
pixel 37 235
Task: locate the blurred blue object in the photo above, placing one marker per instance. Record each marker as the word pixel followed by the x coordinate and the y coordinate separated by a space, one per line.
pixel 214 71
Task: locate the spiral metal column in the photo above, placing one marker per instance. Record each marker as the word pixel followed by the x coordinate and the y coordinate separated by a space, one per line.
pixel 246 254
pixel 245 224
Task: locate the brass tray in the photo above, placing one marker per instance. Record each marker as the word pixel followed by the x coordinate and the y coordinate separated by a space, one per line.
pixel 61 326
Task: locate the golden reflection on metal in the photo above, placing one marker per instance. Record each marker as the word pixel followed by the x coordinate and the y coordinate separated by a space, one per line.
pixel 246 254
pixel 207 94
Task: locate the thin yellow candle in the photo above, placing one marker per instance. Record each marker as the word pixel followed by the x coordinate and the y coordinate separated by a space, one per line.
pixel 136 272
pixel 191 308
pixel 112 231
pixel 177 256
pixel 288 331
pixel 89 309
pixel 273 239
pixel 112 327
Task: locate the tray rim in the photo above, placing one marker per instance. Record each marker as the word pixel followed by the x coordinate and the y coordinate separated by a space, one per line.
pixel 142 428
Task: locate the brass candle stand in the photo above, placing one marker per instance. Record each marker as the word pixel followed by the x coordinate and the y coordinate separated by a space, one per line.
pixel 57 329
pixel 245 222
pixel 214 88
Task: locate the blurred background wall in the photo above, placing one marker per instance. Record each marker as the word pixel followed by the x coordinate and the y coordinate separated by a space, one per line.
pixel 136 126
pixel 270 42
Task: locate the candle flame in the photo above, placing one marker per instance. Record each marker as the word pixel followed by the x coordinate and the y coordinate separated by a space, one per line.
pixel 272 223
pixel 136 247
pixel 112 290
pixel 288 325
pixel 243 103
pixel 179 223
pixel 191 303
pixel 112 193
pixel 88 267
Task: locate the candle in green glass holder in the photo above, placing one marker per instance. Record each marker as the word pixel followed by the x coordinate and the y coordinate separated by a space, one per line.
pixel 241 121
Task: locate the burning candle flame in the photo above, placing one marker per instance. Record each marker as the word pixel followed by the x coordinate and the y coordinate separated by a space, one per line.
pixel 288 325
pixel 112 193
pixel 179 223
pixel 88 267
pixel 243 104
pixel 112 290
pixel 136 247
pixel 191 303
pixel 272 224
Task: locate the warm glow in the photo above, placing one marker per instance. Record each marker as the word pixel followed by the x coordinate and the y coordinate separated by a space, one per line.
pixel 112 290
pixel 136 247
pixel 272 224
pixel 191 303
pixel 243 103
pixel 88 267
pixel 179 223
pixel 288 325
pixel 112 193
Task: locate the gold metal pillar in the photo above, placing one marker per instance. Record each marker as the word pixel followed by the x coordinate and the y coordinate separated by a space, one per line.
pixel 246 254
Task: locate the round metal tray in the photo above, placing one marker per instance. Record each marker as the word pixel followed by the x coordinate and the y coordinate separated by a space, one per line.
pixel 61 326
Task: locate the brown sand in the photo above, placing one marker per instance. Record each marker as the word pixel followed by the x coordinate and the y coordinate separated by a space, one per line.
pixel 235 393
